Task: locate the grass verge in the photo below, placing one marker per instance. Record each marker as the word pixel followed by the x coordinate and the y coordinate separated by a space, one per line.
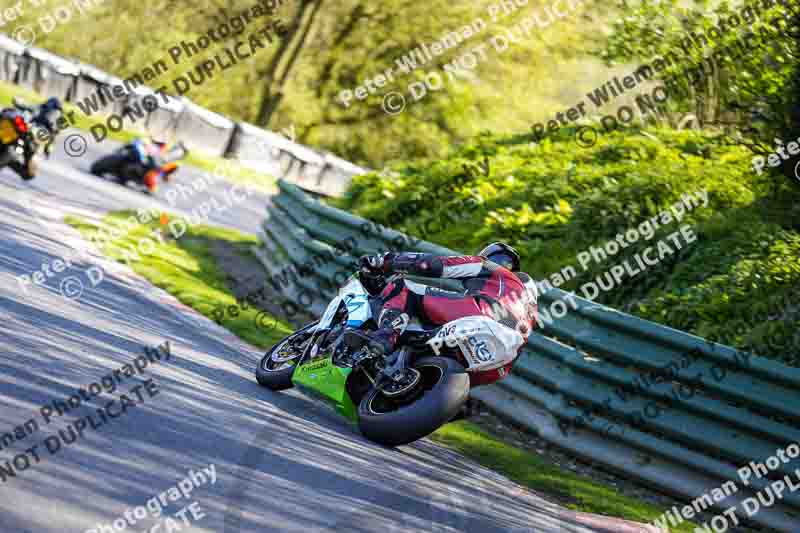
pixel 575 492
pixel 230 169
pixel 186 269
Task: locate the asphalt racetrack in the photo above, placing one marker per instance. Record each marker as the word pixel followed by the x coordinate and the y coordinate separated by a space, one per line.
pixel 280 461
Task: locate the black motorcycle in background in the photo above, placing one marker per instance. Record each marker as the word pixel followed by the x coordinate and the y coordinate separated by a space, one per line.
pixel 141 162
pixel 17 144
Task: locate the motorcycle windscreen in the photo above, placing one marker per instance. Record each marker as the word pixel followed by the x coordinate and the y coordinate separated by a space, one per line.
pixel 355 297
pixel 356 300
pixel 139 148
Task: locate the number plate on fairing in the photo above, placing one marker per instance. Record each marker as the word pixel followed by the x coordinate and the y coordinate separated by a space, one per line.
pixel 485 343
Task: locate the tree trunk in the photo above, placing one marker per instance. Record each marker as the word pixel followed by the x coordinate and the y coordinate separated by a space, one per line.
pixel 354 18
pixel 269 74
pixel 302 27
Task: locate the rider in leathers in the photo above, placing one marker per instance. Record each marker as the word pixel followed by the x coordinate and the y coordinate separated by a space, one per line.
pixel 495 287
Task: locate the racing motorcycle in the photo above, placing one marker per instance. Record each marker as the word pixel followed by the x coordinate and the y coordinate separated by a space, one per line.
pixel 393 398
pixel 140 163
pixel 16 138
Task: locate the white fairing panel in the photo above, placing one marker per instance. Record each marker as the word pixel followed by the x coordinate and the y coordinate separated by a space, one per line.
pixel 330 312
pixel 485 343
pixel 355 298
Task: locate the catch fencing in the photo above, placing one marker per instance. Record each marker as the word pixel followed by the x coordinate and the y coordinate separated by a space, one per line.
pixel 588 382
pixel 180 119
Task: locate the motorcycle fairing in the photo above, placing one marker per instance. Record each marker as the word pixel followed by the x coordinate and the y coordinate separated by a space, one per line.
pixel 355 298
pixel 323 379
pixel 485 343
pixel 320 377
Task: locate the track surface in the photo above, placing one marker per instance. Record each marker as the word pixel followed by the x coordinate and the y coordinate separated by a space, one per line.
pixel 66 180
pixel 282 462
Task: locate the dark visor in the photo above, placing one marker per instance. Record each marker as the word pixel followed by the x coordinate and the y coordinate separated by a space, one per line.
pixel 504 260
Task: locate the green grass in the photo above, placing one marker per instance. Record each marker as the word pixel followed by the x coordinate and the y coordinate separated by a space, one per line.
pixel 186 269
pixel 230 169
pixel 529 470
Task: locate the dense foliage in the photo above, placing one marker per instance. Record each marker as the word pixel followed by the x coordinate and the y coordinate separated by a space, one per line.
pixel 348 42
pixel 750 85
pixel 737 284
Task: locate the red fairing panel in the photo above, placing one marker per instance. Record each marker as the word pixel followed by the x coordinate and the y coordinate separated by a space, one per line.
pixel 487 377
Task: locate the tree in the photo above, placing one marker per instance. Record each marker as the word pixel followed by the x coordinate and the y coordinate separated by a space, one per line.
pixel 749 91
pixel 298 34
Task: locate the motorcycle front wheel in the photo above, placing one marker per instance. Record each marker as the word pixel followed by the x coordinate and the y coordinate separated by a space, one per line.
pixel 441 392
pixel 277 366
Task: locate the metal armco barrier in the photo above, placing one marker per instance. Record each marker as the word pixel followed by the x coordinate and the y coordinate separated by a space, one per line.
pixel 52 75
pixel 163 121
pixel 203 130
pixel 588 382
pixel 181 119
pixel 10 56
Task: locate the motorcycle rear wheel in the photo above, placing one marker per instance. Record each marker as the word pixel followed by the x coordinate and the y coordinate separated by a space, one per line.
pixel 275 370
pixel 445 389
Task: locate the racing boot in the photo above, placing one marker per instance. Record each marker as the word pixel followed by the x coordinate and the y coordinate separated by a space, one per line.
pixel 391 324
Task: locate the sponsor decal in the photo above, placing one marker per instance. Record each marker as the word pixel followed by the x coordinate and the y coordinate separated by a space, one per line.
pixel 315 366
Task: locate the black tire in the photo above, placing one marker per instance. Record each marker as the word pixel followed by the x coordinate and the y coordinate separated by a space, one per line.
pixel 278 379
pixel 26 172
pixel 448 392
pixel 108 164
pixel 5 156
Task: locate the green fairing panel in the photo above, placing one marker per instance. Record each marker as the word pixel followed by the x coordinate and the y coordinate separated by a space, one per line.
pixel 322 378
